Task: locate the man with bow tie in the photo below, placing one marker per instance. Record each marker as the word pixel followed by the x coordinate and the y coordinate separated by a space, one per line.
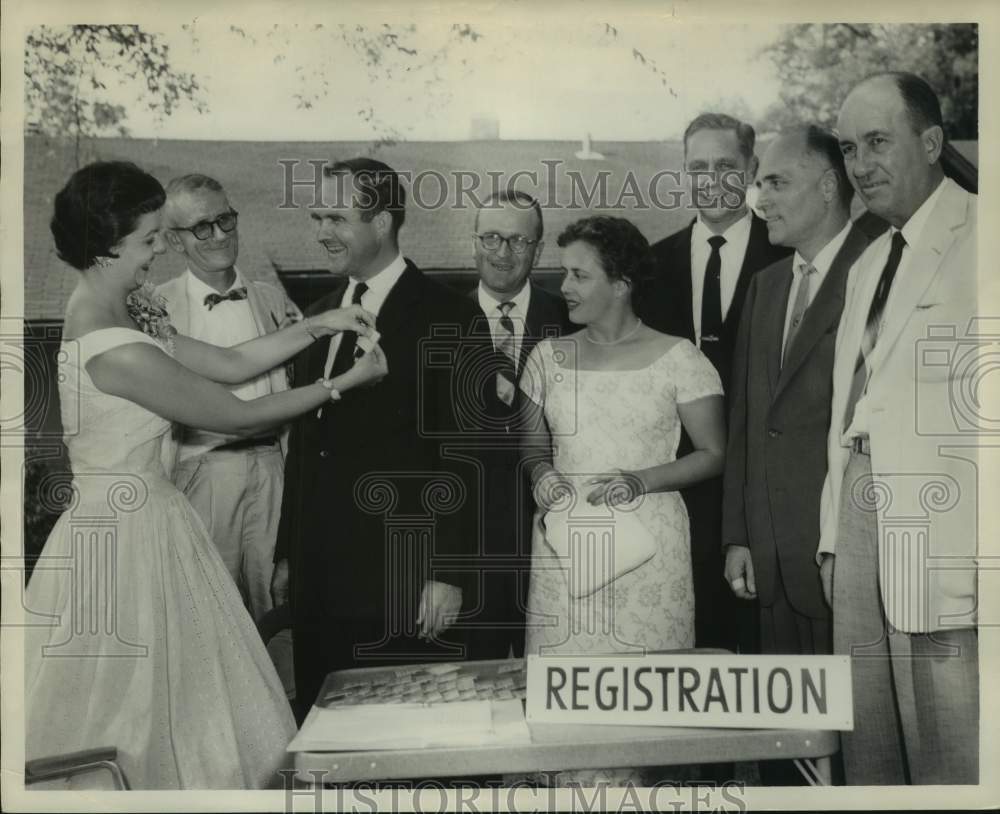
pixel 235 484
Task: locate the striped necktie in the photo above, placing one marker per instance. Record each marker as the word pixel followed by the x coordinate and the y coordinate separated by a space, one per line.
pixel 504 342
pixel 806 271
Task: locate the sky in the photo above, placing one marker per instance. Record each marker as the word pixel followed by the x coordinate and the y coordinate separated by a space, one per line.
pixel 539 78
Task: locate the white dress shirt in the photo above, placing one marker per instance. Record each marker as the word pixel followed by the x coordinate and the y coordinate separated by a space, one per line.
pixel 229 323
pixel 912 231
pixel 821 262
pixel 731 254
pixel 379 287
pixel 518 315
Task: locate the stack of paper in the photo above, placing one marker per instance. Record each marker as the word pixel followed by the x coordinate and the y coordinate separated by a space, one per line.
pixel 411 726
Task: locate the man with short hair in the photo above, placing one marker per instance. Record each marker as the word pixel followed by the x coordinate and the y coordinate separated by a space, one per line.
pixel 235 484
pixel 702 274
pixel 373 512
pixel 899 516
pixel 514 314
pixel 780 398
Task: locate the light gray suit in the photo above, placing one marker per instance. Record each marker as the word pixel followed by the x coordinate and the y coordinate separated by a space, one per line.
pixel 902 521
pixel 237 493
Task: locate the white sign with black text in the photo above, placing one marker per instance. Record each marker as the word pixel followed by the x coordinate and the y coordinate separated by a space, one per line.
pixel 787 692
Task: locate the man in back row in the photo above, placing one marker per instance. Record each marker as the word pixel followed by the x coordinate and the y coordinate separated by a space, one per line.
pixel 515 313
pixel 702 274
pixel 235 484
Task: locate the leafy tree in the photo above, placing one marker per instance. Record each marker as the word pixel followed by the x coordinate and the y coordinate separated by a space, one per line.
pixel 818 63
pixel 66 69
pixel 388 52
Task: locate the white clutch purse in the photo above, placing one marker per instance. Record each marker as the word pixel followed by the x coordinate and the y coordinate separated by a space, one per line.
pixel 598 547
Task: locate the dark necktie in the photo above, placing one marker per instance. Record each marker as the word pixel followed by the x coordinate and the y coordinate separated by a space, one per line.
pixel 507 374
pixel 234 294
pixel 348 342
pixel 872 325
pixel 711 300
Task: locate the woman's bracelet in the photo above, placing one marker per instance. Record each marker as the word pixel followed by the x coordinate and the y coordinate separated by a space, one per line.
pixel 328 384
pixel 307 323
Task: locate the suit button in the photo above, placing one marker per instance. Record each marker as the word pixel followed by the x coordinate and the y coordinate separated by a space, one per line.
pixel 324 453
pixel 774 433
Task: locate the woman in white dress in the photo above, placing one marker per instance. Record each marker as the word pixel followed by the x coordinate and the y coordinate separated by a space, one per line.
pixel 609 402
pixel 146 645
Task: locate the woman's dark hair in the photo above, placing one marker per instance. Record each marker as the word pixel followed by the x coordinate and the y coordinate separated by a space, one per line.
pixel 621 247
pixel 100 204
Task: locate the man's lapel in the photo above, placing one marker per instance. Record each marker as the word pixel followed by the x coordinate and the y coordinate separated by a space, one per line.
pixel 480 322
pixel 948 216
pixel 826 307
pixel 175 293
pixel 265 320
pixel 317 353
pixel 773 293
pixel 752 261
pixel 398 308
pixel 682 280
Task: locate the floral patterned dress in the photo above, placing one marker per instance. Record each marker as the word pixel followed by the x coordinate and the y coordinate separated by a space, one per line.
pixel 600 421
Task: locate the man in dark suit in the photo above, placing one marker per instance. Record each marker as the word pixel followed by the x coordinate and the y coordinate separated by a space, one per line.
pixel 514 314
pixel 372 515
pixel 701 276
pixel 781 394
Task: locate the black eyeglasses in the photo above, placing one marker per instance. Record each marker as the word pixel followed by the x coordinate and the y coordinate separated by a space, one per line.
pixel 518 244
pixel 203 230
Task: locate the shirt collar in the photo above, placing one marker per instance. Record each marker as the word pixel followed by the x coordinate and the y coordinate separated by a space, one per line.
pixel 914 227
pixel 489 303
pixel 382 282
pixel 733 234
pixel 824 257
pixel 199 289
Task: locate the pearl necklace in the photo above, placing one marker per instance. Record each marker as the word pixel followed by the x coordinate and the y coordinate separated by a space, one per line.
pixel 619 340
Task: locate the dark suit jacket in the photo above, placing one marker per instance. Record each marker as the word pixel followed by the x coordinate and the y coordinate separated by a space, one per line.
pixel 498 574
pixel 367 492
pixel 506 497
pixel 780 416
pixel 666 305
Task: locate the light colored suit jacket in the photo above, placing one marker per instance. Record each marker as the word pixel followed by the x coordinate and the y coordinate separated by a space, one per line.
pixel 271 309
pixel 923 454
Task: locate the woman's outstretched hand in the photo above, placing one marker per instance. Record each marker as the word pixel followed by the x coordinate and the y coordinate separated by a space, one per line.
pixel 352 318
pixel 371 368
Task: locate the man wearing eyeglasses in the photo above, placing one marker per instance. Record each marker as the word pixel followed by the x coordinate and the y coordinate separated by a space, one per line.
pixel 235 484
pixel 515 314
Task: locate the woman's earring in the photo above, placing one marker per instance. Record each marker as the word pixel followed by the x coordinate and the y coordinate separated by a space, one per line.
pixel 102 262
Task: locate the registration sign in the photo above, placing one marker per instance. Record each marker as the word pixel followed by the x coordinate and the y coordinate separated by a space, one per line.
pixel 787 692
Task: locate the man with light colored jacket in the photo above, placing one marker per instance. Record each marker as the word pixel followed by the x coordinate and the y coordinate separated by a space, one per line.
pixel 235 484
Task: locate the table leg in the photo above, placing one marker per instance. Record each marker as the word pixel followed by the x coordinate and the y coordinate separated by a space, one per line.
pixel 818 772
